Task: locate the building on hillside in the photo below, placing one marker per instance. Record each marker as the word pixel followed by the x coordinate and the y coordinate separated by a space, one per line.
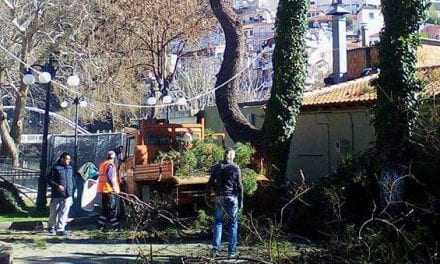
pixel 369 18
pixel 257 34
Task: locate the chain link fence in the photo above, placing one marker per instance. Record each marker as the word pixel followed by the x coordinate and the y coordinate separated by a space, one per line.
pixel 91 148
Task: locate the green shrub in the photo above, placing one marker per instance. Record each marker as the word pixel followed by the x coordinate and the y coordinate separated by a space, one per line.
pixel 207 153
pixel 203 221
pixel 187 164
pixel 249 178
pixel 243 154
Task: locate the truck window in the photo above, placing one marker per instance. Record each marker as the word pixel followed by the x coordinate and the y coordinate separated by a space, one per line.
pixel 131 144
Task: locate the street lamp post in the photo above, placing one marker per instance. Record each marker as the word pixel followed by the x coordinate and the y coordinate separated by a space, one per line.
pixel 78 102
pixel 45 78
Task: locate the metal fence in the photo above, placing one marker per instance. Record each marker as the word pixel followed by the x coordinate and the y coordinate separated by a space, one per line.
pixel 91 148
pixel 25 179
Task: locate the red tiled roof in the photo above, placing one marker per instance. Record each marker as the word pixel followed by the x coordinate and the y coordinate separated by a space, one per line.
pixel 361 90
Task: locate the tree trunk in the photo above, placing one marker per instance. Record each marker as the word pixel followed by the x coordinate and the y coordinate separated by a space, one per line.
pixel 397 86
pixel 289 62
pixel 21 99
pixel 236 124
pixel 290 72
pixel 7 141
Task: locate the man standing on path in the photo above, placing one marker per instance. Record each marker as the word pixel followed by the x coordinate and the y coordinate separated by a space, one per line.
pixel 108 184
pixel 61 182
pixel 226 180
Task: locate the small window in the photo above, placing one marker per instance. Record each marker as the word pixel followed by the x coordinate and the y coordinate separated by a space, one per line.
pixel 131 146
pixel 371 15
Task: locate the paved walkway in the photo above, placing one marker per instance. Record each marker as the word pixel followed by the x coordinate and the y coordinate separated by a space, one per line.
pixel 38 247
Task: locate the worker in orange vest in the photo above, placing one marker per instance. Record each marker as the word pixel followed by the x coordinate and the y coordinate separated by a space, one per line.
pixel 108 186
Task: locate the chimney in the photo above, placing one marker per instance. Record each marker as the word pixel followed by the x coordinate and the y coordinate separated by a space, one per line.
pixel 364 35
pixel 339 33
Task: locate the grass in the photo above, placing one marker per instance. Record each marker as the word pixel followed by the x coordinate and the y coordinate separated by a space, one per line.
pixel 40 243
pixel 31 215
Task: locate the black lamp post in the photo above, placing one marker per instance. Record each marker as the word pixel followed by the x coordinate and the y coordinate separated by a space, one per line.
pixel 44 78
pixel 78 102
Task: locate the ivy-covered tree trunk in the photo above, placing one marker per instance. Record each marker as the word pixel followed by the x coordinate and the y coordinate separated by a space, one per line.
pixel 290 71
pixel 289 62
pixel 397 87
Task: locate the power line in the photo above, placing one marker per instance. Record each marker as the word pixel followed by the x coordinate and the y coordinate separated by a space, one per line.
pixel 134 105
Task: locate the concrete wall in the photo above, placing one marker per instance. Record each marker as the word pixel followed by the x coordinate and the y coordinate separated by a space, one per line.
pixel 322 138
pixel 429 54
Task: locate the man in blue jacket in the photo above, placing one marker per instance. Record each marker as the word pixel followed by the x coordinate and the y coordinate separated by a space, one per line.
pixel 228 186
pixel 61 182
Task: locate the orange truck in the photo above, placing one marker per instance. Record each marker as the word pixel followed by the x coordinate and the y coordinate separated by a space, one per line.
pixel 153 180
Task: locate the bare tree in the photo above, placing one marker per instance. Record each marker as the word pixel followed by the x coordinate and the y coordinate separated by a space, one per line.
pixel 152 36
pixel 28 28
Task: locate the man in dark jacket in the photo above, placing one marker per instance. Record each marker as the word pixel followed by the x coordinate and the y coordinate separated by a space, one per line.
pixel 228 186
pixel 61 182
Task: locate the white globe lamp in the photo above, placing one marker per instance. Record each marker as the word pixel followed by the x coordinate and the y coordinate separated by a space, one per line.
pixel 181 101
pixel 44 77
pixel 167 99
pixel 83 104
pixel 151 100
pixel 28 79
pixel 64 104
pixel 73 81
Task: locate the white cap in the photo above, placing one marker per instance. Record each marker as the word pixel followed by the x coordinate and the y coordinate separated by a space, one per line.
pixel 111 154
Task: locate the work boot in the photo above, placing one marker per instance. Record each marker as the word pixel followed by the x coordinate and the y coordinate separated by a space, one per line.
pixel 51 232
pixel 214 253
pixel 64 233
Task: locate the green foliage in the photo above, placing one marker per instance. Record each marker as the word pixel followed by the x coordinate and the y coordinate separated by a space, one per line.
pixel 203 221
pixel 290 72
pixel 207 153
pixel 243 154
pixel 204 154
pixel 10 200
pixel 398 84
pixel 169 155
pixel 186 164
pixel 426 136
pixel 40 243
pixel 249 178
pixel 200 158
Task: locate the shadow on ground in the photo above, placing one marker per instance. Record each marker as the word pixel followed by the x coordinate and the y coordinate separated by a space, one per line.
pixel 79 258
